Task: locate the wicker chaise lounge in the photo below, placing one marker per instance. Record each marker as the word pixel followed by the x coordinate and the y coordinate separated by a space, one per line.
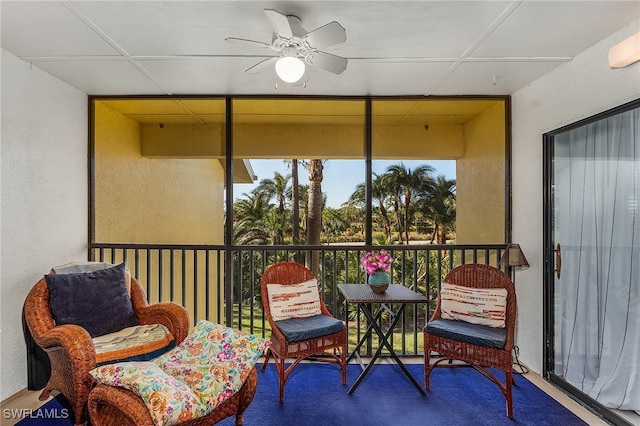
pixel 111 406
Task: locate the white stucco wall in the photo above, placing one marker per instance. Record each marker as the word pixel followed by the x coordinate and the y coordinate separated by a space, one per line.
pixel 578 89
pixel 43 191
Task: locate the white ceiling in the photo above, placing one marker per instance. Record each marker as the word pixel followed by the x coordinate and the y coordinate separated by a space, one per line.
pixel 393 48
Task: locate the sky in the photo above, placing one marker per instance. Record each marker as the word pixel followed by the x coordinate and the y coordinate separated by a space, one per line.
pixel 340 177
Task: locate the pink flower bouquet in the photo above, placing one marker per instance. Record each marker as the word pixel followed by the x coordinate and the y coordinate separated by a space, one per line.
pixel 380 262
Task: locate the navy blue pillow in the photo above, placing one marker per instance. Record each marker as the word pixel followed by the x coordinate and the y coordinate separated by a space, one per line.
pixel 97 301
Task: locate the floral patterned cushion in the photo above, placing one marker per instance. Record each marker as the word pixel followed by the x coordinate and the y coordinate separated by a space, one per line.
pixel 213 360
pixel 169 400
pixel 210 365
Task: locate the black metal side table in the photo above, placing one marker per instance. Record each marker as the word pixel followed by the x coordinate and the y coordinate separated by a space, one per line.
pixel 396 294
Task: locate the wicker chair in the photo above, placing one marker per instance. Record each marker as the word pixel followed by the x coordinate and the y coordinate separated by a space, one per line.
pixel 111 406
pixel 322 348
pixel 459 346
pixel 71 350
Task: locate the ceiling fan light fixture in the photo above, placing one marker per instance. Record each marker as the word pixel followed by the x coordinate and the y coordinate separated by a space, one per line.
pixel 297 48
pixel 290 69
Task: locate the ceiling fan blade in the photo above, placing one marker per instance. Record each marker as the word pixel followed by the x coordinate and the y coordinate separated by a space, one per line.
pixel 327 61
pixel 237 40
pixel 255 69
pixel 279 22
pixel 327 35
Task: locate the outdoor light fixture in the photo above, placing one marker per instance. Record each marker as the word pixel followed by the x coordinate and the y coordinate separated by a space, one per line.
pixel 625 53
pixel 289 67
pixel 514 258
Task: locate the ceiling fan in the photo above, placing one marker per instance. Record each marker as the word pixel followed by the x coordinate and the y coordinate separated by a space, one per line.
pixel 298 48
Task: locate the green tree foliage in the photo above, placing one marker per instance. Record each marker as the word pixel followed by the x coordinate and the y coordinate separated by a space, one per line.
pixel 405 201
pixel 403 184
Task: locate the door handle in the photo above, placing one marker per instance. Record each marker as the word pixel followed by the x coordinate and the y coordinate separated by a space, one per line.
pixel 558 260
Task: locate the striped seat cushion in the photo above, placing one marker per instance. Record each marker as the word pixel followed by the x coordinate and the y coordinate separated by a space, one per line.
pixel 137 343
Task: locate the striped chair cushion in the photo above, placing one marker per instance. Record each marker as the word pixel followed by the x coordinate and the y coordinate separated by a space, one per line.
pixel 137 343
pixel 484 306
pixel 294 301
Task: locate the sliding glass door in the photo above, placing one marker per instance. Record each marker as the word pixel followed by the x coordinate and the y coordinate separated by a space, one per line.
pixel 593 252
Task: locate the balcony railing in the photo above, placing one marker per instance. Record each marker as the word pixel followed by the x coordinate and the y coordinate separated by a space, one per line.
pixel 194 276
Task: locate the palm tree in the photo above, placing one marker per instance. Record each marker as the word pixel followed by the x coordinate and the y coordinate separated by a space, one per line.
pixel 295 201
pixel 303 192
pixel 354 208
pixel 314 218
pixel 247 218
pixel 403 183
pixel 275 225
pixel 441 208
pixel 394 189
pixel 380 193
pixel 251 207
pixel 245 233
pixel 276 188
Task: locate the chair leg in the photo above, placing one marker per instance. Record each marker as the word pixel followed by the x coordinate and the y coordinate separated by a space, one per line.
pixel 280 367
pixel 343 363
pixel 267 355
pixel 427 368
pixel 79 406
pixel 509 393
pixel 45 394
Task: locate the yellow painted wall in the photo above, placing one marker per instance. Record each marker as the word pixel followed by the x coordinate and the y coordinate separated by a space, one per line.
pixel 444 142
pixel 146 200
pixel 174 201
pixel 182 140
pixel 480 176
pixel 411 141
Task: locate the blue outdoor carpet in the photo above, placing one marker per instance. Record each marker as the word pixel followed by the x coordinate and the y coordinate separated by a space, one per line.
pixel 314 396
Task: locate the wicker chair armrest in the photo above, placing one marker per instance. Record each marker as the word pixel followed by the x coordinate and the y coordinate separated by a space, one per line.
pixel 173 316
pixel 74 341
